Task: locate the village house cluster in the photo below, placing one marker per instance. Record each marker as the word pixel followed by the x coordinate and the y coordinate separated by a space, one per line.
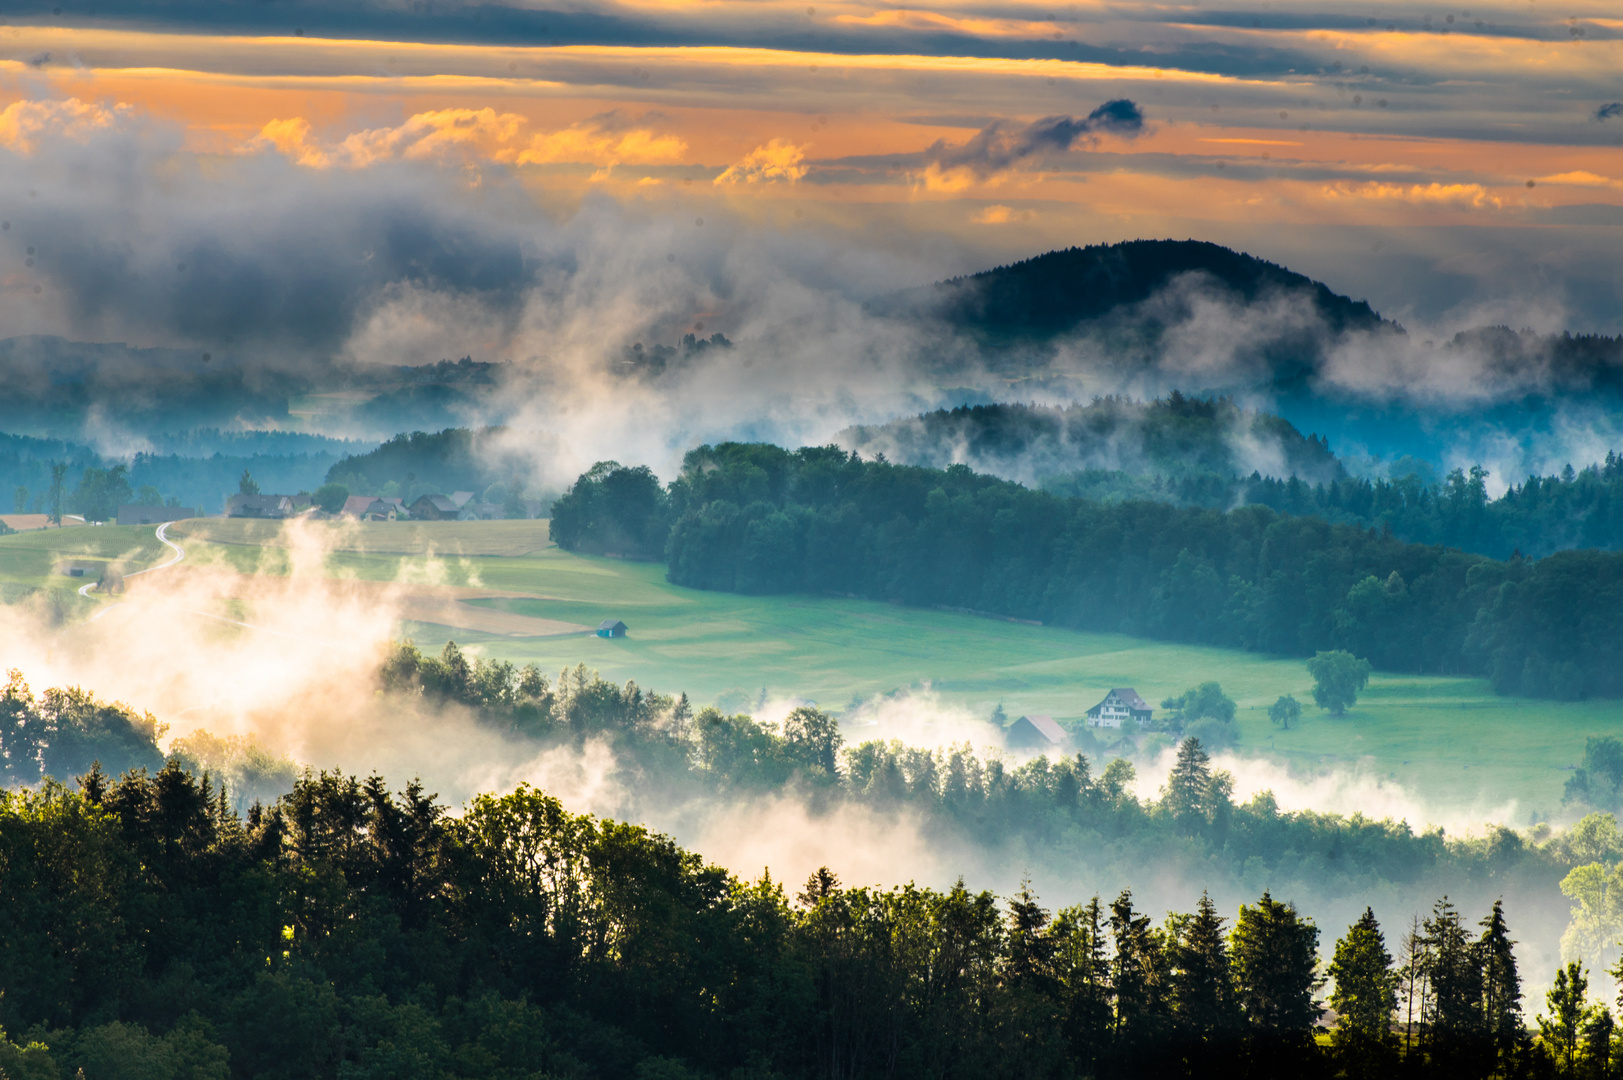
pixel 457 506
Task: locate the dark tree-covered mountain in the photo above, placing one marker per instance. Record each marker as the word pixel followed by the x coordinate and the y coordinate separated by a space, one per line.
pixel 1056 293
pixel 1186 310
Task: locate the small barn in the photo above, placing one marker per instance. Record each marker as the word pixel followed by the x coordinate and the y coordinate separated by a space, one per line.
pixel 611 628
pixel 260 506
pixel 435 508
pixel 1034 732
pixel 372 508
pixel 1120 705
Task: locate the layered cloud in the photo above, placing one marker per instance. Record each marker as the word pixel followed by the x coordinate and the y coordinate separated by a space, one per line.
pixel 473 135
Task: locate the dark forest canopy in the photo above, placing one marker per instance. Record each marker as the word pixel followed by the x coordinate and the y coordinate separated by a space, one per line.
pixel 146 929
pixel 755 518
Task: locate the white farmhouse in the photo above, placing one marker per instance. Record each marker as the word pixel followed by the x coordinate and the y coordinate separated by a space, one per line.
pixel 1120 705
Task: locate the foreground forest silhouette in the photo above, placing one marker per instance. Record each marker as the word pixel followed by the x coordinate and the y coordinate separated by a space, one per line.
pixel 148 930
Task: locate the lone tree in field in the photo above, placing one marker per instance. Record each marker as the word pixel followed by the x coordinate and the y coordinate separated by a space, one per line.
pixel 59 470
pixel 1337 678
pixel 1286 711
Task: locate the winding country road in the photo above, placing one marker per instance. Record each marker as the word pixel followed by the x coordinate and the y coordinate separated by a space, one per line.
pixel 180 553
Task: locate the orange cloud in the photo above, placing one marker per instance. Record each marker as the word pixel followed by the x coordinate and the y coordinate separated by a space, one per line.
pixel 1001 215
pixel 1581 178
pixel 777 160
pixel 590 144
pixel 469 134
pixel 24 124
pixel 1474 196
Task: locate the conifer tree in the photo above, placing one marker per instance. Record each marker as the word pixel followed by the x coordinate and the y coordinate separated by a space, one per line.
pixel 1202 990
pixel 1031 949
pixel 1082 963
pixel 1456 1025
pixel 1275 958
pixel 1413 989
pixel 1188 791
pixel 1137 977
pixel 1501 990
pixel 1365 997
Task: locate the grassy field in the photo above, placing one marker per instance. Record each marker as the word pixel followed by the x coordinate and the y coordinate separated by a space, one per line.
pixel 1451 739
pixel 34 560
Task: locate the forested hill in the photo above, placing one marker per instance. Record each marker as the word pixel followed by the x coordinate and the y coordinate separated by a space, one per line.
pixel 759 519
pixel 465 459
pixel 1053 294
pixel 198 468
pixel 1173 437
pixel 1209 453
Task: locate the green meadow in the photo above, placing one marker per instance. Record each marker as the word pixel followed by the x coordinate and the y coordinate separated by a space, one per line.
pixel 1450 739
pixel 36 559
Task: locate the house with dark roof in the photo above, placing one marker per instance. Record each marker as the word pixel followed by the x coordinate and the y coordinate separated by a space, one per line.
pixel 611 628
pixel 358 506
pixel 373 508
pixel 1034 732
pixel 435 508
pixel 260 506
pixel 1119 706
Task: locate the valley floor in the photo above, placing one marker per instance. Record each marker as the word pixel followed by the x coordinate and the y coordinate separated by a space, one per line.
pixel 503 589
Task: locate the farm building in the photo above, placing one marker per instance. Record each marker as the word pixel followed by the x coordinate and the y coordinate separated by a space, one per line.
pixel 1120 705
pixel 137 514
pixel 1034 733
pixel 261 506
pixel 435 508
pixel 373 508
pixel 611 628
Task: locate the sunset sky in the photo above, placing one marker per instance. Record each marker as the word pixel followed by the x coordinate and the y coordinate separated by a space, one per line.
pixel 1448 164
